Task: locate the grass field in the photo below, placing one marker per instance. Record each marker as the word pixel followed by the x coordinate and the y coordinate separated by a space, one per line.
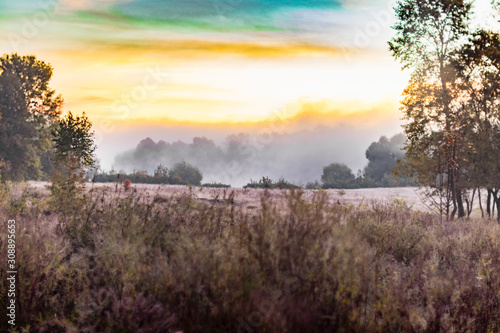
pixel 170 259
pixel 251 197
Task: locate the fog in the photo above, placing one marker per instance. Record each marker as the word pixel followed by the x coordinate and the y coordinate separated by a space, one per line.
pixel 298 157
pixel 293 147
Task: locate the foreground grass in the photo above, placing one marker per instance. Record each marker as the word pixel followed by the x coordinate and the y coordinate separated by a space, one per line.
pixel 109 262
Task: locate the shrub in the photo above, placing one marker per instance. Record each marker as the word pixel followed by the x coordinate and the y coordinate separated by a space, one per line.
pixel 185 174
pixel 140 262
pixel 127 184
pixel 267 182
pixel 337 175
pixel 216 185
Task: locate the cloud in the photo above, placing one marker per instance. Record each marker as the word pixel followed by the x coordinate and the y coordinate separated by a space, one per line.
pixel 94 5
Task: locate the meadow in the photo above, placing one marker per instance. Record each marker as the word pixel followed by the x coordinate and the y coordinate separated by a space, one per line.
pixel 190 259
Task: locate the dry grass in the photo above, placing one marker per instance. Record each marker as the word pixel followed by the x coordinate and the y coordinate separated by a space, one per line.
pixel 262 261
pixel 251 197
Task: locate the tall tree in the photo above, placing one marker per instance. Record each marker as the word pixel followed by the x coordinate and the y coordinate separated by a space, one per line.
pixel 29 109
pixel 478 68
pixel 428 35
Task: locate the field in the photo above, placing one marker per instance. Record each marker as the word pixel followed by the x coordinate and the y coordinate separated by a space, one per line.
pixel 251 197
pixel 180 259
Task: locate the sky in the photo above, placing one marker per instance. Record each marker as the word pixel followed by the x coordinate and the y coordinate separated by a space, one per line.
pixel 175 69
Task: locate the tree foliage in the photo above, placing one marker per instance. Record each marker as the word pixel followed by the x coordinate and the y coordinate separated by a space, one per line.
pixel 185 174
pixel 451 102
pixel 382 157
pixel 29 109
pixel 73 140
pixel 337 175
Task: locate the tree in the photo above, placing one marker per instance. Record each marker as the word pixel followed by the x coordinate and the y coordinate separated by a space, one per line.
pixel 382 157
pixel 29 109
pixel 478 68
pixel 185 174
pixel 73 152
pixel 74 142
pixel 429 33
pixel 337 175
pixel 161 171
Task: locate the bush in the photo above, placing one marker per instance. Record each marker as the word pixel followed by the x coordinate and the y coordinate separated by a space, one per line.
pixel 132 262
pixel 337 175
pixel 313 185
pixel 216 185
pixel 185 174
pixel 127 184
pixel 181 174
pixel 267 182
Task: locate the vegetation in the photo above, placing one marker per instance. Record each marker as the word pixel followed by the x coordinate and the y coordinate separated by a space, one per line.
pixel 451 102
pixel 74 142
pixel 132 261
pixel 216 185
pixel 43 145
pixel 337 175
pixel 382 158
pixel 181 173
pixel 184 173
pixel 29 109
pixel 268 183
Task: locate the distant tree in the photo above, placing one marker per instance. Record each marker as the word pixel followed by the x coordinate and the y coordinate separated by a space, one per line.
pixel 186 174
pixel 383 156
pixel 312 185
pixel 337 175
pixel 29 110
pixel 266 182
pixel 161 171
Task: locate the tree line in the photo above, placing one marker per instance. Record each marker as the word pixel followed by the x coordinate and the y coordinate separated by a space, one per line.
pixel 181 173
pixel 382 156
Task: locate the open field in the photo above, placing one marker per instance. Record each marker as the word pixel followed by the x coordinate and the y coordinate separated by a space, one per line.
pixel 251 197
pixel 174 259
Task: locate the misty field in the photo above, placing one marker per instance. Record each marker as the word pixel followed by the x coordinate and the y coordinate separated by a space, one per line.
pixel 170 259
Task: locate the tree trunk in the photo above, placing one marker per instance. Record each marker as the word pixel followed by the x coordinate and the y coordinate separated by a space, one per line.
pixel 494 194
pixel 461 211
pixel 469 204
pixel 480 203
pixel 498 209
pixel 451 185
pixel 488 203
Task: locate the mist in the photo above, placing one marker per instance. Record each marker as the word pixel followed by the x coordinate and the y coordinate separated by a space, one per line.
pixel 298 157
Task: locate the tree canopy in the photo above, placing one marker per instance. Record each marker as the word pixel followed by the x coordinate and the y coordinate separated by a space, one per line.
pixel 382 157
pixel 451 101
pixel 29 109
pixel 73 140
pixel 337 175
